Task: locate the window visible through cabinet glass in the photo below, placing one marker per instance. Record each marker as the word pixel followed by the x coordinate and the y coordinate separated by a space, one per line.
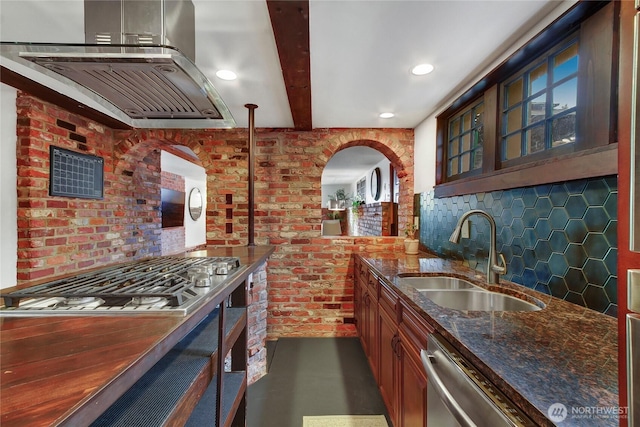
pixel 539 104
pixel 361 189
pixel 466 140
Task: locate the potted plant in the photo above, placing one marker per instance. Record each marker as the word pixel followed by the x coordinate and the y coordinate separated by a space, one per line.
pixel 356 202
pixel 411 243
pixel 337 201
pixel 332 226
pixel 333 215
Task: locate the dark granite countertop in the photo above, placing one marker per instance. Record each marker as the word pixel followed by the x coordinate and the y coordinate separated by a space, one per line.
pixel 563 353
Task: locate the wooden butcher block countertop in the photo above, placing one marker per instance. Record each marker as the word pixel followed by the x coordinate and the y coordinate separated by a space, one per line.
pixel 68 370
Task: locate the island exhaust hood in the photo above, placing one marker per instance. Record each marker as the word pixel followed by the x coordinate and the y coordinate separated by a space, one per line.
pixel 137 65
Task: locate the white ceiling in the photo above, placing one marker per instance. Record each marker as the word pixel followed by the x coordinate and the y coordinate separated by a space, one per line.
pixel 361 52
pixel 350 164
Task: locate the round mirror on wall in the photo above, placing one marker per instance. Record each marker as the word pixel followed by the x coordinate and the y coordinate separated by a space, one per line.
pixel 375 184
pixel 195 203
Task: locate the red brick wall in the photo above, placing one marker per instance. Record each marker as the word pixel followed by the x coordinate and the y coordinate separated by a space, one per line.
pixel 257 325
pixel 309 277
pixel 57 235
pixel 171 181
pixel 375 219
pixel 172 241
pixel 310 284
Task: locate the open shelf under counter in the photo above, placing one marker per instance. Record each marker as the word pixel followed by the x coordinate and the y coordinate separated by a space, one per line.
pixel 169 392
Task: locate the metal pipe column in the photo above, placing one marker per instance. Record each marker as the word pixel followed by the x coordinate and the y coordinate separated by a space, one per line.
pixel 251 160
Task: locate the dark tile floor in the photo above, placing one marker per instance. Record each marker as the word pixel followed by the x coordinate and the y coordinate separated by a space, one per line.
pixel 313 376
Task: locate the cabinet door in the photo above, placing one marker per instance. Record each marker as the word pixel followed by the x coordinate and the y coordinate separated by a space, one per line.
pixel 412 386
pixel 371 337
pixel 364 324
pixel 388 361
pixel 357 299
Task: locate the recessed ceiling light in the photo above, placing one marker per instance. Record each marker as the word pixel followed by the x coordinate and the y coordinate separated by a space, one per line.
pixel 422 69
pixel 386 115
pixel 226 75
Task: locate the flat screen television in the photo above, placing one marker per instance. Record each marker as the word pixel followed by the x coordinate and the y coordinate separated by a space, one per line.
pixel 172 208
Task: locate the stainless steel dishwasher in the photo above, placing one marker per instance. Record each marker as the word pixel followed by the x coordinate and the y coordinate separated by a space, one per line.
pixel 458 395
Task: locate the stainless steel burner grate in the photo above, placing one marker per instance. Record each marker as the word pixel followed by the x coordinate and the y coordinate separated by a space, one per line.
pixel 153 283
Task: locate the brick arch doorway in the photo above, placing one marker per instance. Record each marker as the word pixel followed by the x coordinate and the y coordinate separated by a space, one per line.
pixel 355 161
pixel 134 146
pixel 143 171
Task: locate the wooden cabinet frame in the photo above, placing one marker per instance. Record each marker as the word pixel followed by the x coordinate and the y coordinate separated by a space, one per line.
pixel 595 152
pixel 393 348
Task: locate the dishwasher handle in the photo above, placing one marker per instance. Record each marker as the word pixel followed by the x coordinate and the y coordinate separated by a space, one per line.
pixel 452 405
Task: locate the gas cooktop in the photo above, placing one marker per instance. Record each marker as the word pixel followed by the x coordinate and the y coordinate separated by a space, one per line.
pixel 168 285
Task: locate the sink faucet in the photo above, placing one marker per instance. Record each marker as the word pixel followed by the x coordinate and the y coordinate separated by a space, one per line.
pixel 494 270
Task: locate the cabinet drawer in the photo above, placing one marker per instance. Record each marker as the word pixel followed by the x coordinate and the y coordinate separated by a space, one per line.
pixel 362 269
pixel 363 279
pixel 373 284
pixel 388 300
pixel 414 326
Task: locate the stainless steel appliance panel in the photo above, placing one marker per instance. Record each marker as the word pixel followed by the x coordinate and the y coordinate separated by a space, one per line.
pixel 458 395
pixel 633 290
pixel 633 346
pixel 634 226
pixel 633 275
pixel 633 368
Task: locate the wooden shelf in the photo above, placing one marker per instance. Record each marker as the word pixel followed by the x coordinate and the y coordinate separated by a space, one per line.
pixel 168 393
pixel 235 385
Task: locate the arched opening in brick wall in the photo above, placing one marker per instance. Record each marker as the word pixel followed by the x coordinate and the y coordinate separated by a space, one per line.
pixel 359 194
pixel 367 216
pixel 140 176
pixel 137 144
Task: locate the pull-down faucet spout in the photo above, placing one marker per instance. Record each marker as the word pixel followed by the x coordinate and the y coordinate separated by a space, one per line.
pixel 494 270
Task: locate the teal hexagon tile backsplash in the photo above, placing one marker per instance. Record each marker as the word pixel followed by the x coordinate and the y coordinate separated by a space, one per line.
pixel 559 238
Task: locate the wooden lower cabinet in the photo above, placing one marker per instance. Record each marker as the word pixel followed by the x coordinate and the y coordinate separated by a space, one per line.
pixel 366 314
pixel 412 388
pixel 412 385
pixel 359 303
pixel 393 347
pixel 367 329
pixel 388 361
pixel 371 336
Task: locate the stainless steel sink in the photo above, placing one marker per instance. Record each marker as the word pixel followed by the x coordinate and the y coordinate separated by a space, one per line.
pixel 460 294
pixel 478 300
pixel 422 283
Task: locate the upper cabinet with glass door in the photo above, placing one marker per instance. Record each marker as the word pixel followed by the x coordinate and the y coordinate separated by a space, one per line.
pixel 546 114
pixel 539 104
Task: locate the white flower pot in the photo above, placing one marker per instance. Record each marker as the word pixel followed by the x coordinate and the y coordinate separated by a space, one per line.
pixel 331 227
pixel 411 246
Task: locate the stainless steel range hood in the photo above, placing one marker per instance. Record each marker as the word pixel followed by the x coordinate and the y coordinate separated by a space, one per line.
pixel 137 65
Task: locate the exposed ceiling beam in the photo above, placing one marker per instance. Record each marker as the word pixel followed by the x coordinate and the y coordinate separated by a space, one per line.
pixel 290 23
